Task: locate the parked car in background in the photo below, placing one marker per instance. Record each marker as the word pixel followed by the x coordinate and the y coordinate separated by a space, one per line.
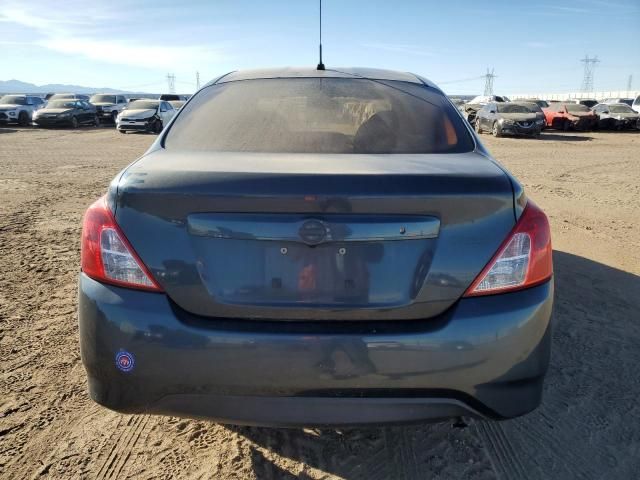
pixel 628 101
pixel 354 258
pixel 570 116
pixel 145 116
pixel 19 108
pixel 68 113
pixel 69 96
pixel 108 105
pixel 587 102
pixel 512 118
pixel 636 104
pixel 471 108
pixel 618 116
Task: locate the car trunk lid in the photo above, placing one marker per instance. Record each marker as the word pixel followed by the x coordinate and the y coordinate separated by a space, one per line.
pixel 304 236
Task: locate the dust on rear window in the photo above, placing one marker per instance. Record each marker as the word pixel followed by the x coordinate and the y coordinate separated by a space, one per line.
pixel 319 115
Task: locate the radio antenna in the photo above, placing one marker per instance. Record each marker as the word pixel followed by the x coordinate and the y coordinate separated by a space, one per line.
pixel 320 65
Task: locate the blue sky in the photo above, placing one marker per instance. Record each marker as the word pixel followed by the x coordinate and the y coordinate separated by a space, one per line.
pixel 533 46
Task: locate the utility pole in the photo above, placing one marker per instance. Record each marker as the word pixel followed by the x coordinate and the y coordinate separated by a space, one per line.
pixel 629 83
pixel 488 82
pixel 589 67
pixel 197 81
pixel 171 82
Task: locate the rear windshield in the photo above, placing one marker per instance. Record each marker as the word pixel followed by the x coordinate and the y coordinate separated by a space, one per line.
pixel 313 115
pixel 63 96
pixel 575 108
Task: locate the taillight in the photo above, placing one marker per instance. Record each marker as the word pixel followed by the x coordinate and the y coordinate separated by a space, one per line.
pixel 523 260
pixel 107 255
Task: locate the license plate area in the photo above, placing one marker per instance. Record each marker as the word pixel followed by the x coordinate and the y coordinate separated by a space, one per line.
pixel 341 274
pixel 324 261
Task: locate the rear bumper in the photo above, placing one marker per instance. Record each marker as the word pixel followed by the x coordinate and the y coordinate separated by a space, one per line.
pixel 486 356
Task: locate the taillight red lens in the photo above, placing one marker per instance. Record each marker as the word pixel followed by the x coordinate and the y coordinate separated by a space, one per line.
pixel 523 260
pixel 107 255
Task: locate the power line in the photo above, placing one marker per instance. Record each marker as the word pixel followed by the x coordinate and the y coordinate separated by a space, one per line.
pixel 470 79
pixel 629 83
pixel 589 67
pixel 488 82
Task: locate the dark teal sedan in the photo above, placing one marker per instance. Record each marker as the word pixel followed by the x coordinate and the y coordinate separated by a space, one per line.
pixel 316 247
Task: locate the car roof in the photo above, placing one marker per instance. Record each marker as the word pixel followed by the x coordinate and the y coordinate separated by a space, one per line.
pixel 306 72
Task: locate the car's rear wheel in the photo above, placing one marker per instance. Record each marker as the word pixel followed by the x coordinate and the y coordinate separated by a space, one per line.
pixel 566 126
pixel 157 126
pixel 74 122
pixel 477 126
pixel 495 130
pixel 23 119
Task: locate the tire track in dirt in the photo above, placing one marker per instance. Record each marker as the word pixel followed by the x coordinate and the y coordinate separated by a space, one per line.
pixel 120 446
pixel 504 458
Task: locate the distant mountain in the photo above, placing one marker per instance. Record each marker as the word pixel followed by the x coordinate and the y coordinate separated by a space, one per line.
pixel 16 86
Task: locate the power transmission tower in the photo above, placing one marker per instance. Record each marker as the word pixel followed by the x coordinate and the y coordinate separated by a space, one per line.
pixel 629 83
pixel 171 81
pixel 197 80
pixel 589 67
pixel 488 82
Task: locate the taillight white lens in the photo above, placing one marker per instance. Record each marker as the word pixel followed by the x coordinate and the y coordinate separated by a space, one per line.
pixel 107 256
pixel 510 268
pixel 119 264
pixel 524 259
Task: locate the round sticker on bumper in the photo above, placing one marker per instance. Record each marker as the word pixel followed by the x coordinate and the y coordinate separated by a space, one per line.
pixel 125 361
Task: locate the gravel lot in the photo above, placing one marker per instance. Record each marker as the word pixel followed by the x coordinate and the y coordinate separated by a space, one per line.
pixel 587 427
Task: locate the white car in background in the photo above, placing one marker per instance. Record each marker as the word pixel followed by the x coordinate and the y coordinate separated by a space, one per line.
pixel 145 115
pixel 19 108
pixel 108 105
pixel 636 104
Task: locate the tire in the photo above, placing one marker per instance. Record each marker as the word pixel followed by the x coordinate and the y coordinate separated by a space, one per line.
pixel 495 130
pixel 23 119
pixel 96 121
pixel 114 115
pixel 477 127
pixel 122 131
pixel 566 126
pixel 157 126
pixel 74 122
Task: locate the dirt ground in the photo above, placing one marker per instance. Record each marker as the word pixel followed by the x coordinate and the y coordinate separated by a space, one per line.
pixel 587 427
